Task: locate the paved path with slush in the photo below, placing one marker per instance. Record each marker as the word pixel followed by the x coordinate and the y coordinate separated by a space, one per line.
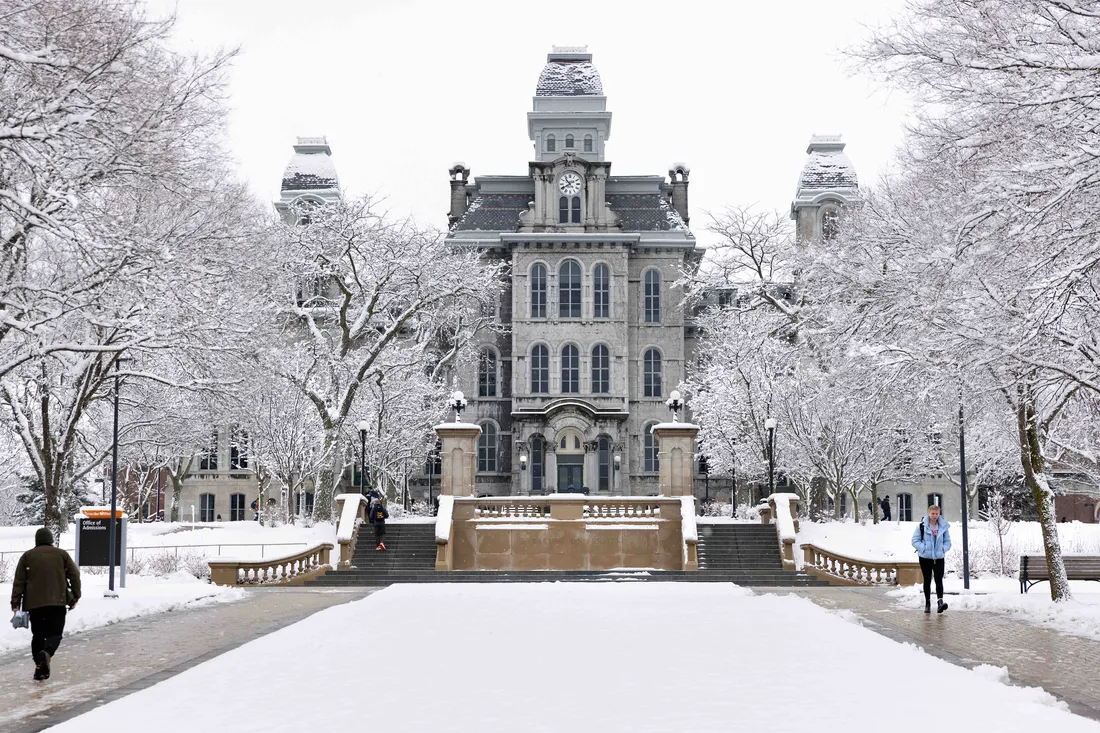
pixel 1063 665
pixel 104 664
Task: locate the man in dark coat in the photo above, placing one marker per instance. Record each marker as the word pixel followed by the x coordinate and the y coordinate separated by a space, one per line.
pixel 378 517
pixel 47 582
pixel 886 508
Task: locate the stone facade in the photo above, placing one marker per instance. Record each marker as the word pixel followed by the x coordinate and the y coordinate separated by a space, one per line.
pixel 593 334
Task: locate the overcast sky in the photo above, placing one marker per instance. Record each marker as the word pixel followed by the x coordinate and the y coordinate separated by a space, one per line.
pixel 402 89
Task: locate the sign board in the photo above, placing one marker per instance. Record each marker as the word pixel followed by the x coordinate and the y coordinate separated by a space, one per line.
pixel 93 539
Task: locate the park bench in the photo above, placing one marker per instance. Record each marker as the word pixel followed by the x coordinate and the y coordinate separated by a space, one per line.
pixel 1033 569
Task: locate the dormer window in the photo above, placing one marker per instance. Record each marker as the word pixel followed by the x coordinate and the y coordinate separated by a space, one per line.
pixel 588 143
pixel 569 142
pixel 551 144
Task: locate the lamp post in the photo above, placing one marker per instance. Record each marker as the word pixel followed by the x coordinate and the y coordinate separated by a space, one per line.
pixel 675 404
pixel 617 462
pixel 704 468
pixel 770 425
pixel 962 485
pixel 111 530
pixel 458 403
pixel 363 426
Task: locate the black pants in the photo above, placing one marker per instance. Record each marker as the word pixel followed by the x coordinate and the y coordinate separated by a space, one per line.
pixel 379 531
pixel 47 626
pixel 929 568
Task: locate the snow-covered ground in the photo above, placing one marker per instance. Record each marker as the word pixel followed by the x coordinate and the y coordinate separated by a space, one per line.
pixel 141 596
pixel 989 591
pixel 582 657
pixel 891 541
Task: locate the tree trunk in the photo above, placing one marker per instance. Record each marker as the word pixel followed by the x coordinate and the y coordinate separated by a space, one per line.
pixel 53 520
pixel 1034 465
pixel 874 502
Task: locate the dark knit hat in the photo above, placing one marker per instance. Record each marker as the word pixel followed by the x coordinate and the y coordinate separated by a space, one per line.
pixel 43 537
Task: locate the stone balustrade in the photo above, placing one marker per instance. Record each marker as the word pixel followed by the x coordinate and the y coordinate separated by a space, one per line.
pixel 622 507
pixel 564 532
pixel 287 570
pixel 351 513
pixel 843 570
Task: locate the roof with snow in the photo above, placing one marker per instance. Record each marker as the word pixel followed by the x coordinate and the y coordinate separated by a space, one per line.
pixel 638 212
pixel 828 170
pixel 311 167
pixel 569 72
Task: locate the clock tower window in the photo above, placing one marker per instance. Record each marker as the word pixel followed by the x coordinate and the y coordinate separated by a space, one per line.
pixel 576 210
pixel 569 142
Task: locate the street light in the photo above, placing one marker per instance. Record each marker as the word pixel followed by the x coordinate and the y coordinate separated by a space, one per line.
pixel 458 403
pixel 523 462
pixel 363 426
pixel 769 424
pixel 674 403
pixel 962 485
pixel 111 530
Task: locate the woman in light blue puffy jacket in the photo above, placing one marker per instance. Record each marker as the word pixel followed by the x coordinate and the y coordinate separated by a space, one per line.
pixel 932 540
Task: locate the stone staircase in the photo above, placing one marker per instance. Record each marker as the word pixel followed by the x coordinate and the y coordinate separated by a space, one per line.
pixel 746 554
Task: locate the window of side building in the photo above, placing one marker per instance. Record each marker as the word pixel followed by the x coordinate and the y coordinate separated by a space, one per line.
pixel 601 370
pixel 650 463
pixel 487 373
pixel 487 449
pixel 538 291
pixel 570 370
pixel 651 373
pixel 569 289
pixel 540 370
pixel 601 292
pixel 652 296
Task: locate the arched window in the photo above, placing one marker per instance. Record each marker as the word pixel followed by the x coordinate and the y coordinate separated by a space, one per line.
pixel 905 507
pixel 652 296
pixel 569 289
pixel 568 142
pixel 588 143
pixel 651 373
pixel 551 144
pixel 604 483
pixel 236 507
pixel 650 463
pixel 487 373
pixel 830 224
pixel 601 292
pixel 540 370
pixel 936 500
pixel 576 209
pixel 601 370
pixel 570 370
pixel 487 449
pixel 563 210
pixel 538 463
pixel 538 291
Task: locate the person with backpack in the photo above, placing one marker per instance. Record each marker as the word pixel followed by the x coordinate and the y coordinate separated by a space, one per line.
pixel 378 517
pixel 47 584
pixel 932 540
pixel 886 508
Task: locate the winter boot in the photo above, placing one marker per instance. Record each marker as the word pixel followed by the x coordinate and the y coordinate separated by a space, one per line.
pixel 940 605
pixel 39 659
pixel 382 546
pixel 46 658
pixel 928 605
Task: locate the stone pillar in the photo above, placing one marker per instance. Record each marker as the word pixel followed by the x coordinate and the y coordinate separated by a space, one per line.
pixel 679 182
pixel 676 457
pixel 459 175
pixel 550 459
pixel 592 465
pixel 459 457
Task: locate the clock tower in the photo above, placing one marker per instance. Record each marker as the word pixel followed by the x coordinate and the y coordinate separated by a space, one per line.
pixel 569 125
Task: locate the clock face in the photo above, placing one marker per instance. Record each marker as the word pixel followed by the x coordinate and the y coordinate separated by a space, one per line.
pixel 570 184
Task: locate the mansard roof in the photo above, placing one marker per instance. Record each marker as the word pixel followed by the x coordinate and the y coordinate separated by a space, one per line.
pixel 311 167
pixel 569 73
pixel 638 212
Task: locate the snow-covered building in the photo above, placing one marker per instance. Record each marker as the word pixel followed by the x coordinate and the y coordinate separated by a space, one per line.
pixel 594 334
pixel 827 182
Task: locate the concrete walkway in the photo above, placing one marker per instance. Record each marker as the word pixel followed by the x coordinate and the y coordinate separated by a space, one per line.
pixel 1063 665
pixel 104 664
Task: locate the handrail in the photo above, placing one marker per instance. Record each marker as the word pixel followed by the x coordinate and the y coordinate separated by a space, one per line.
pixel 844 570
pixel 219 545
pixel 288 570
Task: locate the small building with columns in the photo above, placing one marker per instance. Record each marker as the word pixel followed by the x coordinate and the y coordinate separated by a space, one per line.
pixel 592 331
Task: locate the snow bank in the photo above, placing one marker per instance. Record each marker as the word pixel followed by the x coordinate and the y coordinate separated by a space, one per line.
pixel 443 519
pixel 1079 617
pixel 140 597
pixel 795 675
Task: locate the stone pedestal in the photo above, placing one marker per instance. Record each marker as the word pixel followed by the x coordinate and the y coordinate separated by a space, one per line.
pixel 676 457
pixel 459 457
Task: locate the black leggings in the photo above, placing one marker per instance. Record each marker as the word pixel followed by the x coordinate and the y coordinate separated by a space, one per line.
pixel 929 568
pixel 47 626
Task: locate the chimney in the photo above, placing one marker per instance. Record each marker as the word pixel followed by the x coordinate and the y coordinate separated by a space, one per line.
pixel 460 201
pixel 679 177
